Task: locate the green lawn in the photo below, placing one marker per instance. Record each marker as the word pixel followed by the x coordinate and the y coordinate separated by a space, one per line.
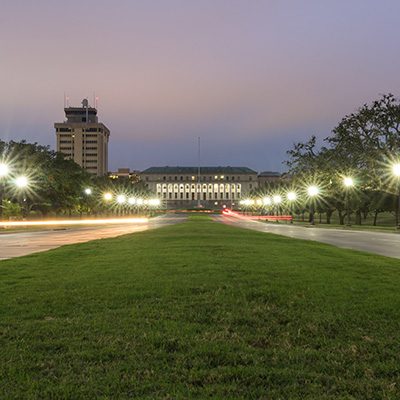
pixel 200 310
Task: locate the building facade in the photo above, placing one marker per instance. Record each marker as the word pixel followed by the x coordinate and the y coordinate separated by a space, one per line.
pixel 181 187
pixel 84 139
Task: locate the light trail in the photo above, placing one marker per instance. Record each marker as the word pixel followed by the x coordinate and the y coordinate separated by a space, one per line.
pixel 231 213
pixel 78 222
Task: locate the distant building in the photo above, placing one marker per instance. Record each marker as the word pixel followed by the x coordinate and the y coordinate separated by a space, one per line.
pixel 83 139
pixel 268 177
pixel 134 176
pixel 218 186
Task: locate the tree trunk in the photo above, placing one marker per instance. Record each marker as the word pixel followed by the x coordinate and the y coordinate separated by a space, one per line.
pixel 328 216
pixel 341 217
pixel 375 217
pixel 358 218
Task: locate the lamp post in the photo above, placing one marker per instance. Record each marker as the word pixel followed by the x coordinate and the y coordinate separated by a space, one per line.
pixel 396 171
pixel 88 192
pixel 291 197
pixel 121 200
pixel 267 202
pixel 312 191
pixel 277 200
pixel 21 182
pixel 3 173
pixel 348 182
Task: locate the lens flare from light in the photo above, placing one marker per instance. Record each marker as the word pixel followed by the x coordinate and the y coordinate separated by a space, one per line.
pixel 348 182
pixel 121 199
pixel 291 196
pixel 277 199
pixel 21 182
pixel 108 196
pixel 3 169
pixel 396 169
pixel 312 190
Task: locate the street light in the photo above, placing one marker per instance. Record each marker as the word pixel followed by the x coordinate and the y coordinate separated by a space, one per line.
pixel 277 200
pixel 3 173
pixel 348 182
pixel 21 182
pixel 291 197
pixel 312 191
pixel 396 171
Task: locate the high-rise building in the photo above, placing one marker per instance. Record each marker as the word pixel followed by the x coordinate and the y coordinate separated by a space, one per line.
pixel 84 139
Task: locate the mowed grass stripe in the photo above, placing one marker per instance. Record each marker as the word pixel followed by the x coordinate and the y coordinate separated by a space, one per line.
pixel 200 310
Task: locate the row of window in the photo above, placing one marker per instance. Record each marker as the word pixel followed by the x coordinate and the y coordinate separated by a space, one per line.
pixel 210 188
pixel 193 196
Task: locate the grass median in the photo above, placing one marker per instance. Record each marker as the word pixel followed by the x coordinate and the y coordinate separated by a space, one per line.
pixel 200 310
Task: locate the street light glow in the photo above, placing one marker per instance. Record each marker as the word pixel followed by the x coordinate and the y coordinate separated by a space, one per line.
pixel 131 200
pixel 277 199
pixel 312 190
pixel 348 182
pixel 88 191
pixel 291 196
pixel 267 200
pixel 21 181
pixel 3 169
pixel 121 198
pixel 108 196
pixel 396 169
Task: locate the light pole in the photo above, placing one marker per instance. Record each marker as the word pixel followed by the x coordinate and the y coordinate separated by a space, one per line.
pixel 277 200
pixel 21 182
pixel 348 182
pixel 88 192
pixel 396 171
pixel 291 197
pixel 3 173
pixel 312 191
pixel 267 202
pixel 121 200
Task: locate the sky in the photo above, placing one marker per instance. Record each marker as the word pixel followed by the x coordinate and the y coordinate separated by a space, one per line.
pixel 249 77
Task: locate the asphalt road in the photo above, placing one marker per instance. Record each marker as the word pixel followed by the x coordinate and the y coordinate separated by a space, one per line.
pixel 16 244
pixel 378 242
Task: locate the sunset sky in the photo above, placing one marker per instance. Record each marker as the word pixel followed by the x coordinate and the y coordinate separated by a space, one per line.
pixel 249 77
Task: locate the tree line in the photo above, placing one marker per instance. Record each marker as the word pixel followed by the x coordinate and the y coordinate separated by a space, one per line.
pixel 363 146
pixel 56 185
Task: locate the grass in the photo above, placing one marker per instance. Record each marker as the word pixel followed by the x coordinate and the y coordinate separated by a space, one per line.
pixel 200 310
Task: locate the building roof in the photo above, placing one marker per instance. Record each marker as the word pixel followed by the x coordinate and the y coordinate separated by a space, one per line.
pixel 269 174
pixel 194 170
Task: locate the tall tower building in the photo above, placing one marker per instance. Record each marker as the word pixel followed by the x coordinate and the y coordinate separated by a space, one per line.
pixel 84 139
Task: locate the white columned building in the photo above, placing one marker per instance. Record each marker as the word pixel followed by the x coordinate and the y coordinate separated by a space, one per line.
pixel 218 186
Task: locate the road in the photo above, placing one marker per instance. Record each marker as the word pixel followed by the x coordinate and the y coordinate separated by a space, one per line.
pixel 27 242
pixel 378 242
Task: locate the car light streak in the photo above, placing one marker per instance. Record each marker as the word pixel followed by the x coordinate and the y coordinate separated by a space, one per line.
pixel 231 213
pixel 78 222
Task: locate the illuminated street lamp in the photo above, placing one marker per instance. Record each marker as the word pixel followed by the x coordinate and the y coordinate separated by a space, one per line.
pixel 312 191
pixel 3 173
pixel 88 191
pixel 277 200
pixel 21 182
pixel 348 182
pixel 396 171
pixel 291 197
pixel 108 196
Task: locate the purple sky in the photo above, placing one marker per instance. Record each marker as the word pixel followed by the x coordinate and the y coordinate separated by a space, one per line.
pixel 250 77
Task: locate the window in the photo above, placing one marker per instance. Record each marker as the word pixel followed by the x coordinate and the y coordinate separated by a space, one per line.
pixel 65 141
pixel 65 148
pixel 91 161
pixel 65 130
pixel 66 136
pixel 91 141
pixel 91 155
